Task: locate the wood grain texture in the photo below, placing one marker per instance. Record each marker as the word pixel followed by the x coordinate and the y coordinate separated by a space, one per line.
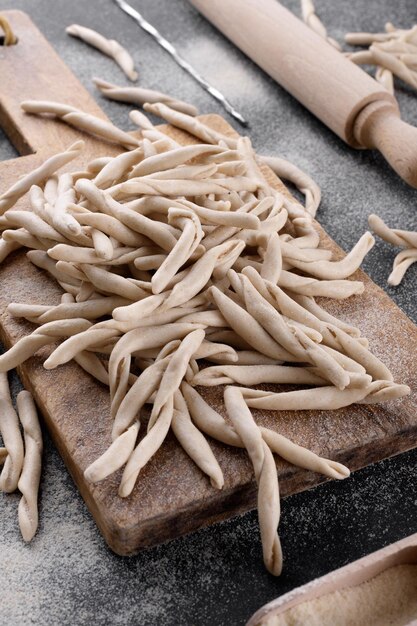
pixel 172 497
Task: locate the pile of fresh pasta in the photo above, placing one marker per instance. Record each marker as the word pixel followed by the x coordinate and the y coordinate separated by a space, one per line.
pixel 182 268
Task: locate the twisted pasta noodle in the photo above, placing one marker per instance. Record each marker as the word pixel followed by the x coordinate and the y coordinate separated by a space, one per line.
pixel 292 339
pixel 107 282
pixel 265 474
pixel 142 339
pixel 395 236
pixel 114 457
pixel 249 329
pixel 91 309
pixel 83 121
pixel 146 448
pixel 194 443
pixel 38 175
pixel 173 158
pixel 384 390
pixel 7 247
pixel 75 344
pixel 31 472
pixel 117 168
pixel 34 224
pixel 12 439
pixel 26 347
pixel 155 231
pixel 304 183
pixel 353 348
pixel 201 272
pixel 138 95
pixel 302 457
pixel 337 289
pixel 394 65
pixel 175 372
pixel 139 393
pixel 320 398
pixel 255 375
pixel 214 425
pixel 402 262
pixel 110 47
pixel 187 243
pixel 189 124
pixel 62 220
pixel 336 270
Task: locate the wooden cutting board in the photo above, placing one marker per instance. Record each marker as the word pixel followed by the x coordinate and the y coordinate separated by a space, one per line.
pixel 172 497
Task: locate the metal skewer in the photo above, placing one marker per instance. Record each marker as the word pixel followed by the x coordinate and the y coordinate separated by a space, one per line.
pixel 151 30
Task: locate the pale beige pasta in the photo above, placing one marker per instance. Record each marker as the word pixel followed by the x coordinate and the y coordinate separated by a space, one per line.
pixel 194 443
pixel 110 47
pixel 38 175
pixel 139 95
pixel 31 472
pixel 12 439
pixel 114 457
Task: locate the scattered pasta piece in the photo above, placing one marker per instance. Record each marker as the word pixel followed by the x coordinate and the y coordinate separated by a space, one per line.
pixel 31 472
pixel 394 53
pixel 110 47
pixel 139 95
pixel 313 21
pixel 402 238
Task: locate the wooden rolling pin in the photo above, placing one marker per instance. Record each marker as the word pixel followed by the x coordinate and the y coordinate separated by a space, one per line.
pixel 339 93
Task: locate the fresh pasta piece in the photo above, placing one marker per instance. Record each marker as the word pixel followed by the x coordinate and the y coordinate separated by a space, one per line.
pixel 139 95
pixel 31 471
pixel 12 439
pixel 110 47
pixel 38 175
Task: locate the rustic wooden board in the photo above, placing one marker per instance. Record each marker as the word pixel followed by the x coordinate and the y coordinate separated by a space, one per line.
pixel 172 497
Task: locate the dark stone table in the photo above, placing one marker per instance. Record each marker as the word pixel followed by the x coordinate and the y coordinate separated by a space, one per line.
pixel 216 576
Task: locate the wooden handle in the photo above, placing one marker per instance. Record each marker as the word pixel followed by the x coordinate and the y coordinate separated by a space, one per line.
pixel 313 71
pixel 379 126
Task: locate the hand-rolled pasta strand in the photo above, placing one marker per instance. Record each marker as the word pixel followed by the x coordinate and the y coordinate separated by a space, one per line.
pixel 146 448
pixel 402 262
pixel 110 47
pixel 194 443
pixel 83 121
pixel 12 439
pixel 265 474
pixel 138 95
pixel 114 457
pixel 9 197
pixel 42 336
pixel 304 183
pixel 395 236
pixel 30 477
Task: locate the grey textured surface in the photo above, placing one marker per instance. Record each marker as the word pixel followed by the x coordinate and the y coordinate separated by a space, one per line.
pixel 216 576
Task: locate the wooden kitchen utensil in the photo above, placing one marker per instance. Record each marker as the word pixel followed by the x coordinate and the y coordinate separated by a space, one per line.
pixel 403 552
pixel 339 93
pixel 172 496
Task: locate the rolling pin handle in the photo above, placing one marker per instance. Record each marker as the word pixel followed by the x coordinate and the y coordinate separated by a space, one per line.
pixel 379 126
